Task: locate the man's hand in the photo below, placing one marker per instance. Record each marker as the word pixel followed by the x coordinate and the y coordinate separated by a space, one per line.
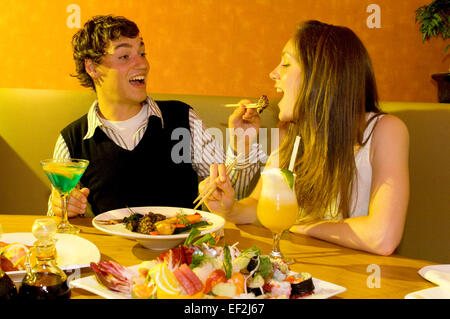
pixel 77 202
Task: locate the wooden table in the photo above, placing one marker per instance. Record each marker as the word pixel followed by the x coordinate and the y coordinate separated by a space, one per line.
pixel 355 270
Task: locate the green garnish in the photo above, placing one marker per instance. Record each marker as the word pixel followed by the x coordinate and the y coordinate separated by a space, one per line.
pixel 227 266
pixel 253 251
pixel 265 267
pixel 192 235
pixel 197 258
pixel 190 226
pixel 289 177
pixel 207 238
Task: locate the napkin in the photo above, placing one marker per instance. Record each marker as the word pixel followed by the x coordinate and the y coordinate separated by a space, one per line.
pixel 440 278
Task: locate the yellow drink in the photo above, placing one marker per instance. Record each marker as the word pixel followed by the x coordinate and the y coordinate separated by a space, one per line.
pixel 276 216
pixel 277 206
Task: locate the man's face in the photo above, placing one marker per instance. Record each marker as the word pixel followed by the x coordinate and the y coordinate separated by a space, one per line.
pixel 121 76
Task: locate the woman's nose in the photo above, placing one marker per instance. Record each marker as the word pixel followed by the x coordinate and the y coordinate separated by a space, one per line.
pixel 274 75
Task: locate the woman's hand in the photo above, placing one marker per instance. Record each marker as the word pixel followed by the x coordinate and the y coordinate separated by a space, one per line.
pixel 244 124
pixel 77 202
pixel 222 199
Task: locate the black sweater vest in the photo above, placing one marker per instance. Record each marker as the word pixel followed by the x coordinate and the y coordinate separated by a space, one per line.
pixel 145 176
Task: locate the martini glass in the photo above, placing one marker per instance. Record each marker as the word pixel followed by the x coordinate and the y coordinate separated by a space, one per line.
pixel 277 207
pixel 64 174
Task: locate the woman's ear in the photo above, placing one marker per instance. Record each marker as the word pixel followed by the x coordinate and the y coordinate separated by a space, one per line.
pixel 91 69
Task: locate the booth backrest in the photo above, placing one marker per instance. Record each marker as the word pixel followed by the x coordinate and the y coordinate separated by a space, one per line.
pixel 31 120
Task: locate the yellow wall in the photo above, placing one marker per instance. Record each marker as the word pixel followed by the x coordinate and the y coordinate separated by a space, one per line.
pixel 217 47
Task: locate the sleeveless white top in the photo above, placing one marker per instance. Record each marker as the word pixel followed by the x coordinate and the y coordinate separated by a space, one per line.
pixel 362 182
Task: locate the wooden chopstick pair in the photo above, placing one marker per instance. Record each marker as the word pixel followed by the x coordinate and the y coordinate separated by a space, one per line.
pixel 212 187
pixel 247 106
pixel 262 104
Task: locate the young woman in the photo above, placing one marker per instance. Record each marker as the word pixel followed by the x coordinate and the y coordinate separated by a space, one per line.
pixel 352 179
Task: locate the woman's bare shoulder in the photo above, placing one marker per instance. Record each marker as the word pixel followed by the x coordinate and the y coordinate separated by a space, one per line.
pixel 391 127
pixel 390 136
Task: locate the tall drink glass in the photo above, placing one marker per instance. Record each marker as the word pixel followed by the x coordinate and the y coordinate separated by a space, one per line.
pixel 64 174
pixel 277 207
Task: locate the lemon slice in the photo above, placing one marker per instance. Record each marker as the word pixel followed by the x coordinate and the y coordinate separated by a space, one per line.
pixel 169 280
pixel 166 283
pixel 163 291
pixel 289 177
pixel 154 270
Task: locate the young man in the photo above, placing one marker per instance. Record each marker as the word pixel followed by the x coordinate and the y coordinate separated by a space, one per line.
pixel 127 136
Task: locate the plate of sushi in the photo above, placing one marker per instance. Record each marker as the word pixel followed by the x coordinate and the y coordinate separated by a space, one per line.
pixel 201 269
pixel 157 227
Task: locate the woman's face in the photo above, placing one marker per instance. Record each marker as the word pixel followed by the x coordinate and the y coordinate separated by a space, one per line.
pixel 287 80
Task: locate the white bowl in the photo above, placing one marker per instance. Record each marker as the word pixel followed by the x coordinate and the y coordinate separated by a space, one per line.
pixel 156 242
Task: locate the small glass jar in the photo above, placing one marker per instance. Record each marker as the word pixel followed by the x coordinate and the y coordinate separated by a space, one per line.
pixel 44 280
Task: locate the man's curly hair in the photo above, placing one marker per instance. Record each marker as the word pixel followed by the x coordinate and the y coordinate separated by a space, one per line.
pixel 91 41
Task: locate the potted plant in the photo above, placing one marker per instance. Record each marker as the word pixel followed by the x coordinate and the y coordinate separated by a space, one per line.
pixel 434 20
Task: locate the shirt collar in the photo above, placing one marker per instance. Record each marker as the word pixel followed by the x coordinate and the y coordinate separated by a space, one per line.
pixel 95 121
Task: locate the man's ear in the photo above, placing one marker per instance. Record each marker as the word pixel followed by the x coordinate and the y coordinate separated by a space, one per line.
pixel 91 68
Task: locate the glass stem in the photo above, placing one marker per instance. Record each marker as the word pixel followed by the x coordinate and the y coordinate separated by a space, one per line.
pixel 65 203
pixel 276 245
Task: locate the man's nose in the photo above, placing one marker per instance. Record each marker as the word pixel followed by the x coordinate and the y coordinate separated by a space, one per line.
pixel 142 62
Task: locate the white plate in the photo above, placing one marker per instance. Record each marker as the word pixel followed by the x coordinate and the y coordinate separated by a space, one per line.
pixel 430 293
pixel 156 242
pixel 435 292
pixel 73 252
pixel 323 289
pixel 443 268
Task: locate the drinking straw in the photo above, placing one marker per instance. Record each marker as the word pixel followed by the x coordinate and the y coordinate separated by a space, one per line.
pixel 294 153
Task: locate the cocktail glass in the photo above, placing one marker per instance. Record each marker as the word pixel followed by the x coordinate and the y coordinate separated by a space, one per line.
pixel 277 207
pixel 64 174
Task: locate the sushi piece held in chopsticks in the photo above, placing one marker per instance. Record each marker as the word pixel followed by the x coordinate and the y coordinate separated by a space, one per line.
pixel 261 105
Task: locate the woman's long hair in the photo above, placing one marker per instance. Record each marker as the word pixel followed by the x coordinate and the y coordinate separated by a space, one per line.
pixel 338 87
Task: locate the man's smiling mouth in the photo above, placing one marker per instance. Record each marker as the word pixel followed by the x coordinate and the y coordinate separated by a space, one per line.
pixel 138 80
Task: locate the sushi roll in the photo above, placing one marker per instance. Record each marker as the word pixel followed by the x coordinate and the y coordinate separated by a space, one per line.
pixel 301 285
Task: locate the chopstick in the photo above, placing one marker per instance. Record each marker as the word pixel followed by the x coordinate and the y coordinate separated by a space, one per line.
pixel 212 187
pixel 247 106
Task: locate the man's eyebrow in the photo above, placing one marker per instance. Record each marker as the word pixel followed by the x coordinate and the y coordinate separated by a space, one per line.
pixel 122 45
pixel 127 45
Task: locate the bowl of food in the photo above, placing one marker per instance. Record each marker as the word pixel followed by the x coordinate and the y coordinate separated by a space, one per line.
pixel 157 227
